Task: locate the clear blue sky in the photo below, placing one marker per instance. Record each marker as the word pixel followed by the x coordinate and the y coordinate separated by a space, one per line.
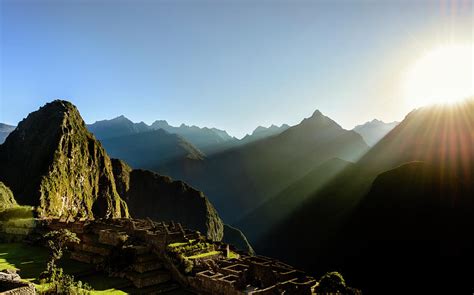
pixel 227 64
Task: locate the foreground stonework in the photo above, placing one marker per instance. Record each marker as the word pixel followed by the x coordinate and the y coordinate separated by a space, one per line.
pixel 11 284
pixel 139 250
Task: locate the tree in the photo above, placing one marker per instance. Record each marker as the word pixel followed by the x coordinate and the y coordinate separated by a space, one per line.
pixel 57 243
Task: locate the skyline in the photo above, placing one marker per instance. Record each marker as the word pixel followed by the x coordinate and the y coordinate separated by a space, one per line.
pixel 263 64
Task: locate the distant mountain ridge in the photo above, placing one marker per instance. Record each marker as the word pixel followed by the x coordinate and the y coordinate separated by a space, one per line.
pixel 242 178
pixel 374 131
pixel 4 131
pixel 420 173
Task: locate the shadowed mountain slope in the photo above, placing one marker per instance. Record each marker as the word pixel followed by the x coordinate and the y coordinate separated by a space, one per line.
pixel 374 131
pixel 241 179
pixel 275 209
pixel 51 161
pixel 151 148
pixel 441 137
pixel 159 197
pixel 4 131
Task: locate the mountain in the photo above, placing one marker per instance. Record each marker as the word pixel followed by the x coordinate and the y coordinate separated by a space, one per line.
pixel 51 161
pixel 6 197
pixel 204 138
pixel 120 126
pixel 374 131
pixel 151 148
pixel 275 209
pixel 241 179
pixel 262 132
pixel 439 136
pixel 422 216
pixel 4 131
pixel 150 195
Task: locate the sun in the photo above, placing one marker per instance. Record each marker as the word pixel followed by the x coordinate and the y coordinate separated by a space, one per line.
pixel 441 76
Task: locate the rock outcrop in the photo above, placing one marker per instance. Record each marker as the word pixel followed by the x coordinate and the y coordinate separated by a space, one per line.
pixel 159 197
pixel 52 162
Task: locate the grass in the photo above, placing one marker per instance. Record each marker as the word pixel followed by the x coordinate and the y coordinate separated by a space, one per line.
pixel 30 261
pixel 202 255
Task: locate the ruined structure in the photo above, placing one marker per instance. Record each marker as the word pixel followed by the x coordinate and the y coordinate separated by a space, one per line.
pixel 11 284
pixel 159 255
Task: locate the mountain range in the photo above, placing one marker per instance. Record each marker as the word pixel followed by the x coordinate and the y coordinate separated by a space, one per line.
pixel 52 162
pixel 374 131
pixel 4 131
pixel 404 208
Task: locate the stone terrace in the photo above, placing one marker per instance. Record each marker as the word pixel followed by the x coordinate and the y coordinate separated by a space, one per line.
pixel 141 251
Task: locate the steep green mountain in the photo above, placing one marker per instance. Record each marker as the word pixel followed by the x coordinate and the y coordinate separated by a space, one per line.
pixel 120 126
pixel 262 132
pixel 159 197
pixel 374 131
pixel 241 179
pixel 275 209
pixel 151 148
pixel 205 138
pixel 4 131
pixel 440 136
pixel 6 197
pixel 51 161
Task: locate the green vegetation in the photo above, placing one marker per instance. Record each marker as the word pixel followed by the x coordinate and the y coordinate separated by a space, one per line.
pixel 30 262
pixel 334 283
pixel 16 212
pixel 6 197
pixel 202 255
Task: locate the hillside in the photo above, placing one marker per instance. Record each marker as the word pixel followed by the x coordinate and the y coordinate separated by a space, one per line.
pixel 374 131
pixel 438 136
pixel 241 179
pixel 51 161
pixel 151 148
pixel 4 131
pixel 275 209
pixel 159 197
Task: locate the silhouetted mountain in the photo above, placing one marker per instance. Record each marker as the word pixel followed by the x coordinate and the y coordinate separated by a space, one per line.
pixel 51 161
pixel 120 126
pixel 263 132
pixel 235 237
pixel 374 131
pixel 151 148
pixel 4 131
pixel 241 179
pixel 159 197
pixel 408 201
pixel 203 138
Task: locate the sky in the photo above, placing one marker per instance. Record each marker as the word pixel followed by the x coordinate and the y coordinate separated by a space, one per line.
pixel 228 64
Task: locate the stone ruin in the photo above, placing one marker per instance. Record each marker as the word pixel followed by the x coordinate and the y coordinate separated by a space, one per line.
pixel 11 284
pixel 139 250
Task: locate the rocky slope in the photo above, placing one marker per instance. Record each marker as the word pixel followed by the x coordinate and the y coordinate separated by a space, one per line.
pixel 51 161
pixel 6 197
pixel 159 197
